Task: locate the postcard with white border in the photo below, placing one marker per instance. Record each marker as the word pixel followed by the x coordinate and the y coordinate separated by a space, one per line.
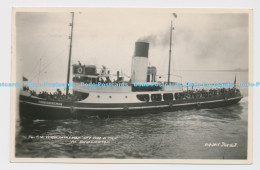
pixel 131 85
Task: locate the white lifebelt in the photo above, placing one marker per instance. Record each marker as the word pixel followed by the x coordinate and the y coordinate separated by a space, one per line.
pixel 72 109
pixel 226 99
pixel 125 108
pixel 171 105
pixel 80 70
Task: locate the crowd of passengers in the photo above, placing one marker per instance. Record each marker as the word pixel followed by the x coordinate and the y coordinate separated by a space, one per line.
pixel 189 94
pixel 95 80
pixel 197 94
pixel 58 95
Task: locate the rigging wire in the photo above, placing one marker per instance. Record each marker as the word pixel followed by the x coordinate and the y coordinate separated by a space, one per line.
pixel 51 62
pixel 45 51
pixel 33 71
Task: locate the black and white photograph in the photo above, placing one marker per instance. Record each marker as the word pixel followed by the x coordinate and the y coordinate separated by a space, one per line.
pixel 132 85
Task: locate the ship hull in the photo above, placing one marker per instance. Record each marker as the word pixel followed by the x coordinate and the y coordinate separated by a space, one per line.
pixel 35 108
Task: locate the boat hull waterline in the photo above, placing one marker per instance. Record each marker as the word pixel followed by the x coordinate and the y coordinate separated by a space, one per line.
pixel 36 108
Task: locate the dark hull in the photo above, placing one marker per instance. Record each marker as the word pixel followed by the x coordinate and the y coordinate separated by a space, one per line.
pixel 32 108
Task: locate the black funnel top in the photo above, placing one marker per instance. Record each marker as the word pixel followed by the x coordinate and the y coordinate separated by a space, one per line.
pixel 141 49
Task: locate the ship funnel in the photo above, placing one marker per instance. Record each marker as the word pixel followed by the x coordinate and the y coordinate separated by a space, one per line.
pixel 141 49
pixel 140 62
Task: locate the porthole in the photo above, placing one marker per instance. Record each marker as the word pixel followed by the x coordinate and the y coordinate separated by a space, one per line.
pixel 125 96
pixel 110 97
pixel 98 96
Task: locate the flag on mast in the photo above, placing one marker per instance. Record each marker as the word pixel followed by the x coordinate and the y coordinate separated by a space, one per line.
pixel 25 79
pixel 235 81
pixel 175 15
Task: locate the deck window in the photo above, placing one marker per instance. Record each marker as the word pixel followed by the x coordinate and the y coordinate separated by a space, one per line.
pixel 167 96
pixel 143 97
pixel 80 95
pixel 156 97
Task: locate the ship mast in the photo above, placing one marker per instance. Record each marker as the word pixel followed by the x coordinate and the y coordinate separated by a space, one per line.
pixel 170 50
pixel 69 61
pixel 170 54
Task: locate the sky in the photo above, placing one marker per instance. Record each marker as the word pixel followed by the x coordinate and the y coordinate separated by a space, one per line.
pixel 106 36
